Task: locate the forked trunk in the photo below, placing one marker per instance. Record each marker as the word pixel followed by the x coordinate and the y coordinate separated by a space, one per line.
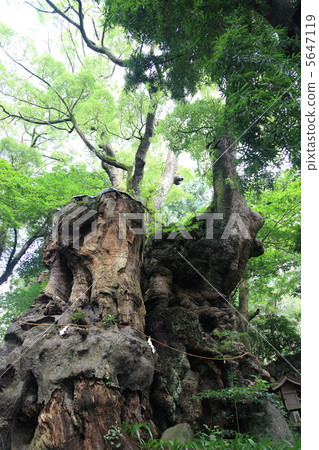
pixel 73 386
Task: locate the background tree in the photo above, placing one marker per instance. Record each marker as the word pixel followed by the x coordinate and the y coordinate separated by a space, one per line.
pixel 274 279
pixel 234 46
pixel 27 204
pixel 76 97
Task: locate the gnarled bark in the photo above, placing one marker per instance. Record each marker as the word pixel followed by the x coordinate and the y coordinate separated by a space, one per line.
pixel 70 387
pixel 187 285
pixel 73 387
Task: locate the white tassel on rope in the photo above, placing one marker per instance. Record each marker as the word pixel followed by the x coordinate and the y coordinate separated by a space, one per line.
pixel 149 341
pixel 63 330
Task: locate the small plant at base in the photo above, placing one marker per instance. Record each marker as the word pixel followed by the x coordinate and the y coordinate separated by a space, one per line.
pixel 113 436
pixel 109 320
pixel 78 318
pixel 245 395
pixel 133 430
pixel 207 439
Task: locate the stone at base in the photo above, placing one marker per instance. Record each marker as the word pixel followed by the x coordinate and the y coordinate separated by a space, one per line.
pixel 181 431
pixel 267 421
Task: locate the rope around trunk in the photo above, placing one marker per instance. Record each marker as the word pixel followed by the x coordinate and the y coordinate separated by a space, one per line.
pixel 138 331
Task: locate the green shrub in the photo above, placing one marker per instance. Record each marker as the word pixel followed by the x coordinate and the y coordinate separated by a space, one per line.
pixel 109 320
pixel 207 439
pixel 78 318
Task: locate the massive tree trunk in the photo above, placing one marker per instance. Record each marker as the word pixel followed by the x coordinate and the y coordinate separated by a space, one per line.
pixel 74 387
pixel 187 285
pixel 68 388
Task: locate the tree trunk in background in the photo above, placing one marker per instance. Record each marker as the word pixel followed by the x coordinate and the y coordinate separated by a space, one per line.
pixel 113 172
pixel 167 179
pixel 72 388
pixel 140 156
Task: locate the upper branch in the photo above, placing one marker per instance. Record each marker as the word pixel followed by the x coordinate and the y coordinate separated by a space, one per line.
pixel 80 26
pixel 103 157
pixel 33 119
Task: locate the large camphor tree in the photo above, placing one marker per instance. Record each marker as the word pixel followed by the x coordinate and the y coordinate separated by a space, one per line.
pixel 75 382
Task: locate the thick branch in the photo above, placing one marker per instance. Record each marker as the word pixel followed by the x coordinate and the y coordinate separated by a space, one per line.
pixel 34 120
pixel 112 171
pixel 3 237
pixel 14 248
pixel 140 157
pixel 104 158
pixel 254 314
pixel 167 179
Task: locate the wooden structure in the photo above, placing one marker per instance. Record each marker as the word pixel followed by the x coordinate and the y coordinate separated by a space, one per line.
pixel 290 389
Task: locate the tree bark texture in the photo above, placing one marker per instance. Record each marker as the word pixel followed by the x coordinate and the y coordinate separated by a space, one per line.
pixel 167 179
pixel 187 287
pixel 140 157
pixel 69 390
pixel 72 387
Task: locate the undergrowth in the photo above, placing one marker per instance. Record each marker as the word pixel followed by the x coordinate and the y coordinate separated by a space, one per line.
pixel 208 439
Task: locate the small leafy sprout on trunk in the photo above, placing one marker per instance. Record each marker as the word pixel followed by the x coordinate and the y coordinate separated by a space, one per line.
pixel 107 380
pixel 78 318
pixel 113 435
pixel 109 320
pixel 228 342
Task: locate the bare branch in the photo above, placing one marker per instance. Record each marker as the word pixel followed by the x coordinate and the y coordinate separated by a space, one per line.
pixel 15 258
pixel 34 120
pixel 26 69
pixel 80 26
pixel 104 158
pixel 140 156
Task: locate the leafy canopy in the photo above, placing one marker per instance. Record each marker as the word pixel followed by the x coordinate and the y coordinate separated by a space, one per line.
pixel 188 43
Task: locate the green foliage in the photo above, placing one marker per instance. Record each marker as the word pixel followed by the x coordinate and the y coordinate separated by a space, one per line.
pixel 192 127
pixel 228 341
pixel 184 202
pixel 28 202
pixel 78 318
pixel 282 332
pixel 16 301
pixel 113 435
pixel 207 439
pixel 255 393
pixel 234 46
pixel 20 155
pixel 139 431
pixel 274 278
pixel 109 320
